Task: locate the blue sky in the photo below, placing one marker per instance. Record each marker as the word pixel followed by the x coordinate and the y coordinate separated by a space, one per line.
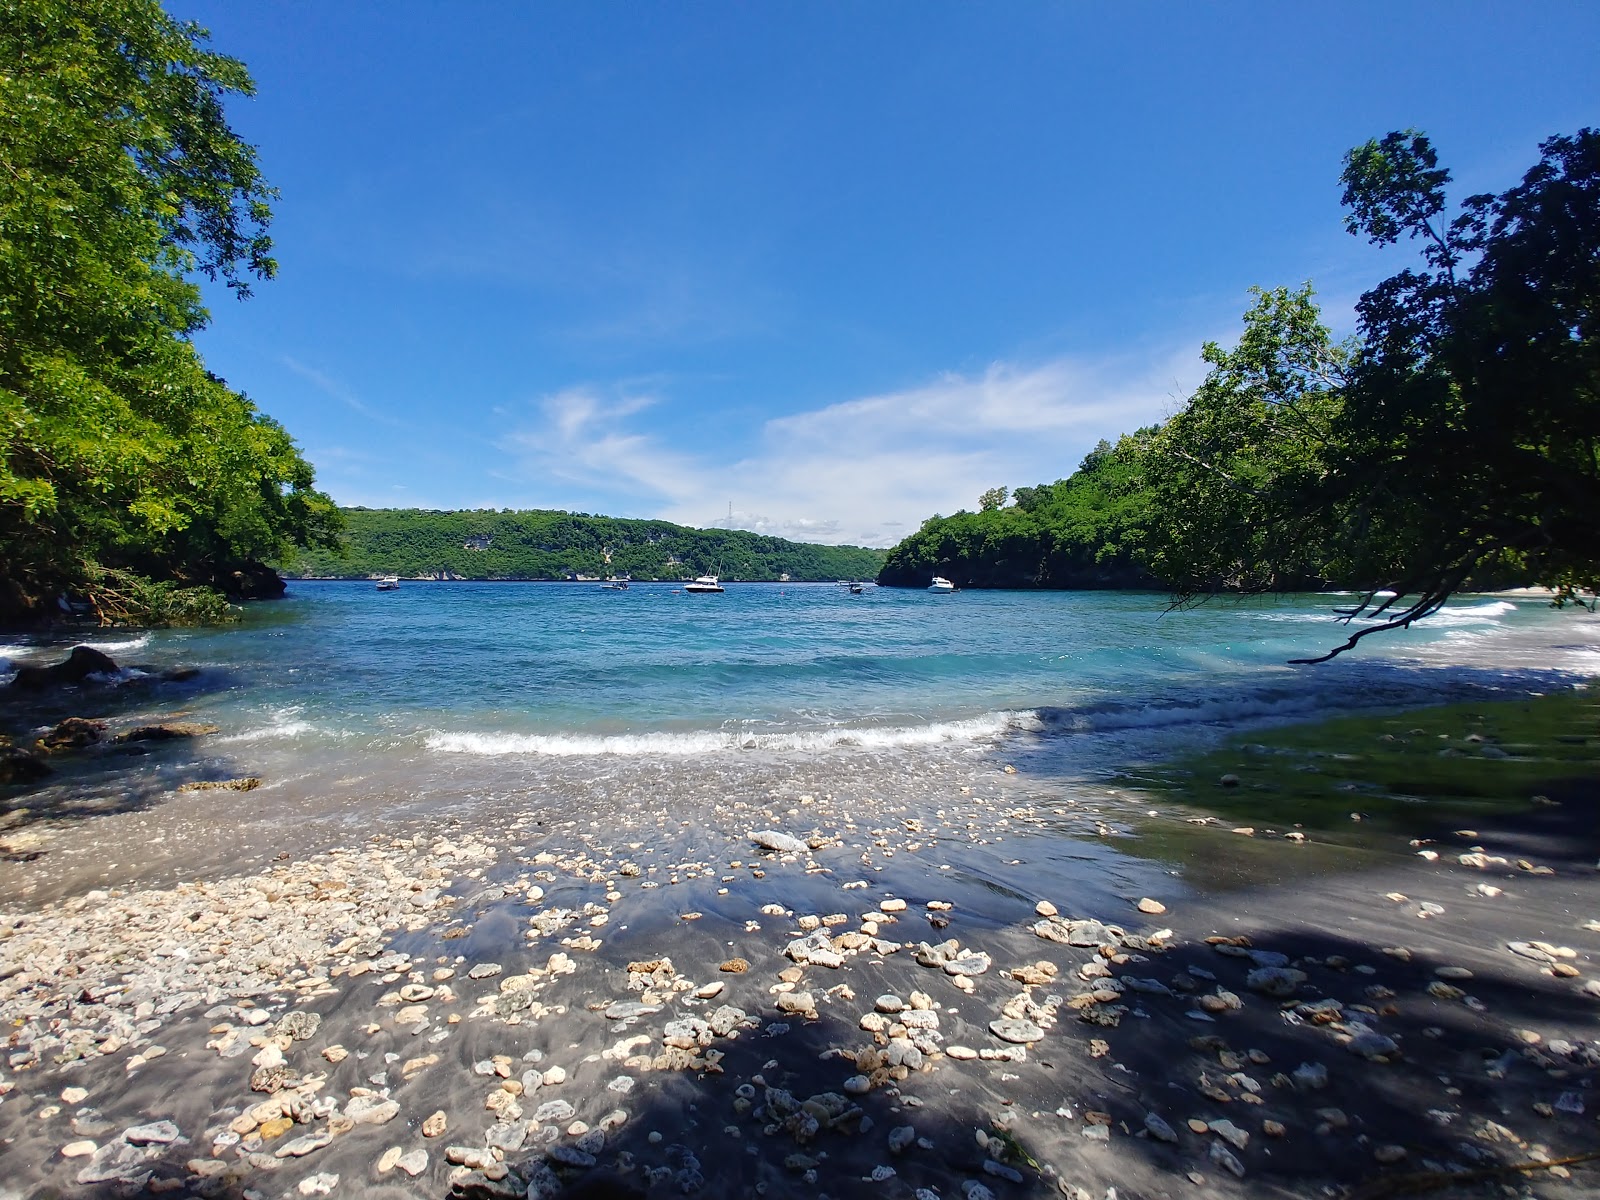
pixel 840 266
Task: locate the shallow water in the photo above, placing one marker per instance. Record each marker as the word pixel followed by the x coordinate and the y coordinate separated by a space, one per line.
pixel 361 709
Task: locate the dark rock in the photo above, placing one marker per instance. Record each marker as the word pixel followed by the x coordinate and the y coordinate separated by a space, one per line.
pixel 22 766
pixel 166 732
pixel 83 662
pixel 73 734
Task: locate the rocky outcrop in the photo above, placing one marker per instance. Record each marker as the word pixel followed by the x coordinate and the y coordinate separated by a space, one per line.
pixel 22 766
pixel 166 732
pixel 73 734
pixel 83 662
pixel 249 581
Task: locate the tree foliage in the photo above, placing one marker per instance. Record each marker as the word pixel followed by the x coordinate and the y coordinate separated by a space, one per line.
pixel 1456 441
pixel 552 545
pixel 120 180
pixel 1084 531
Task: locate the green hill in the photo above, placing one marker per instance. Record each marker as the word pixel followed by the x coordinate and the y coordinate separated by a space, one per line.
pixel 545 544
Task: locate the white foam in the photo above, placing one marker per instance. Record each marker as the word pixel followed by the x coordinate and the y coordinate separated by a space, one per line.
pixel 285 724
pixel 123 647
pixel 879 737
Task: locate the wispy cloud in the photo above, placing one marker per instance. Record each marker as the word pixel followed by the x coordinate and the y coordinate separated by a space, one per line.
pixel 337 391
pixel 866 470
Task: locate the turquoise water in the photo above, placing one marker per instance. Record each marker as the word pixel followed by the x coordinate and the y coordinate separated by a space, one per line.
pixel 559 670
pixel 441 705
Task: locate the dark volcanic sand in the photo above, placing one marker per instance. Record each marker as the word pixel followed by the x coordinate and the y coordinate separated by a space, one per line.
pixel 1489 1075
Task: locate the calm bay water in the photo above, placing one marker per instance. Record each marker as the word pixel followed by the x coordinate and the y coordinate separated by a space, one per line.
pixel 562 670
pixel 362 710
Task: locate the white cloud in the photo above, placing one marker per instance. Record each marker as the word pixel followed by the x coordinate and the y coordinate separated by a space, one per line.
pixel 869 470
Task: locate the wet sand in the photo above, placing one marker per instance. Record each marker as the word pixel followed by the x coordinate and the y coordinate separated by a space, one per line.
pixel 555 988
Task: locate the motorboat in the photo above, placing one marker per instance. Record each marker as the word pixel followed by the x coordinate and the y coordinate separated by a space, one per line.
pixel 705 583
pixel 856 589
pixel 616 583
pixel 941 584
pixel 389 583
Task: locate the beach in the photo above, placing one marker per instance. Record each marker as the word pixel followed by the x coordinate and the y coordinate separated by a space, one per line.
pixel 945 964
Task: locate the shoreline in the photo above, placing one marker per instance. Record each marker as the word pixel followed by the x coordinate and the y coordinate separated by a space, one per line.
pixel 542 963
pixel 552 986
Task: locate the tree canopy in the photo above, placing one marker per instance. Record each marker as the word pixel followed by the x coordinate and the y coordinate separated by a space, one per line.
pixel 1453 442
pixel 1455 439
pixel 120 181
pixel 544 544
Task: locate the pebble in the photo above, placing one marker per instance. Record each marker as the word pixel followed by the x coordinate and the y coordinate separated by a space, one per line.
pixel 74 1095
pixel 1151 907
pixel 435 1124
pixel 158 1133
pixel 1012 1029
pixel 78 1149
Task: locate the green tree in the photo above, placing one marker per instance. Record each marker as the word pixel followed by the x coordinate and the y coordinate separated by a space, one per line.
pixel 120 180
pixel 992 499
pixel 1459 440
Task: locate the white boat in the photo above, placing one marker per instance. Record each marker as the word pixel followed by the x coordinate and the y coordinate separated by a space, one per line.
pixel 389 583
pixel 706 583
pixel 941 584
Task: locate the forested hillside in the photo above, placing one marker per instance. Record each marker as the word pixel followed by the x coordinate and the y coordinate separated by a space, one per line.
pixel 1087 531
pixel 544 544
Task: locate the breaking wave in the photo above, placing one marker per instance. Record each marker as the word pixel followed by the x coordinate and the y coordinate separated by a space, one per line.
pixel 878 737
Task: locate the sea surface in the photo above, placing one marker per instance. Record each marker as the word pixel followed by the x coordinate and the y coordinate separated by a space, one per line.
pixel 357 707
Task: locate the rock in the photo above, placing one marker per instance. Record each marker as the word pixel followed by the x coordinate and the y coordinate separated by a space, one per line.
pixel 797 1002
pixel 80 665
pixel 901 1137
pixel 1226 1159
pixel 247 783
pixel 961 1053
pixel 318 1185
pixel 156 1133
pixel 169 731
pixel 771 839
pixel 1230 781
pixel 968 963
pixel 372 1110
pixel 1372 1045
pixel 893 906
pixel 1275 981
pixel 74 1095
pixel 302 1146
pixel 709 991
pixel 1159 1129
pixel 388 1159
pixel 626 1010
pixel 1310 1076
pixel 79 1149
pixel 73 734
pixel 22 766
pixel 485 971
pixel 435 1125
pixel 735 966
pixel 1230 1133
pixel 1014 1029
pixel 1151 907
pixel 300 1025
pixel 1390 1153
pixel 1045 909
pixel 413 1162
